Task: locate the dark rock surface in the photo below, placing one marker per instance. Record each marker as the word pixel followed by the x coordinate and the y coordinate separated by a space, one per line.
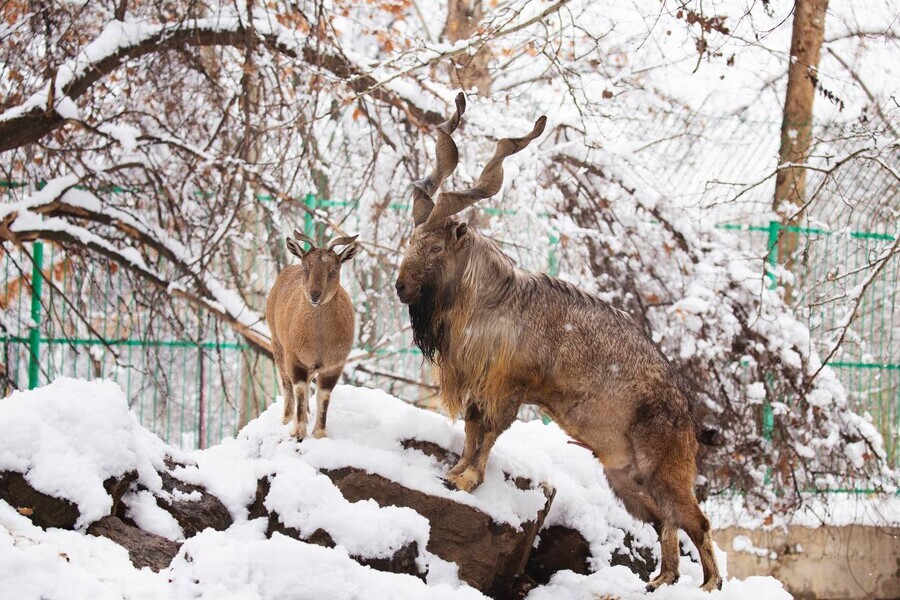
pixel 258 508
pixel 145 549
pixel 490 556
pixel 48 511
pixel 403 561
pixel 43 510
pixel 643 564
pixel 194 515
pixel 433 450
pixel 494 558
pixel 561 548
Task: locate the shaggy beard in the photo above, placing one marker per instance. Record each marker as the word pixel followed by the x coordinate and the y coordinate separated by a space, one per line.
pixel 427 327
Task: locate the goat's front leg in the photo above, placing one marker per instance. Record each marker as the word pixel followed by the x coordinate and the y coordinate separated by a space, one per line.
pixel 474 438
pixel 301 391
pixel 287 388
pixel 323 397
pixel 290 403
pixel 472 476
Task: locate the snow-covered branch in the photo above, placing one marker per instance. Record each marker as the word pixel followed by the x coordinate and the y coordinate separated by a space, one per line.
pixel 49 214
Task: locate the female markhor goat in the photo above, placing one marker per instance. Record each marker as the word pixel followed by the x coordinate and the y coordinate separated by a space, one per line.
pixel 311 319
pixel 502 337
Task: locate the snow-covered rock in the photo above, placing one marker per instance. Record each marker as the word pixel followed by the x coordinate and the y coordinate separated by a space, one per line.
pixel 371 492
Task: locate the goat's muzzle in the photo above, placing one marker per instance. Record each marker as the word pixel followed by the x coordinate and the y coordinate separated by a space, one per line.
pixel 406 292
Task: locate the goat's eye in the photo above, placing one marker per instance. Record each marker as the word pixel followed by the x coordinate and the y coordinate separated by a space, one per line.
pixel 436 249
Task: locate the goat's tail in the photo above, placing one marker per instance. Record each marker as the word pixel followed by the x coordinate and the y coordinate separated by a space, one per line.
pixel 709 436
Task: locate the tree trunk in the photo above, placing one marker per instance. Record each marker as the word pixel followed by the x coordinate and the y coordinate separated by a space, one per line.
pixel 796 125
pixel 258 387
pixel 468 71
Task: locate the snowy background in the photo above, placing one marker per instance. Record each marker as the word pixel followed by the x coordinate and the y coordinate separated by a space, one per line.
pixel 155 155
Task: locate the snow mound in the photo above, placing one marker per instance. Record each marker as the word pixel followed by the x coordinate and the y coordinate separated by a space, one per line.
pixel 620 583
pixel 68 437
pixel 244 564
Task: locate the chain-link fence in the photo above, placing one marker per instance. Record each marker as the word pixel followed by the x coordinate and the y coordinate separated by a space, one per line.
pixel 193 382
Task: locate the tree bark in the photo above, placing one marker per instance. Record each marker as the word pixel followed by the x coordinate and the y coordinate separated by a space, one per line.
pixel 796 125
pixel 468 71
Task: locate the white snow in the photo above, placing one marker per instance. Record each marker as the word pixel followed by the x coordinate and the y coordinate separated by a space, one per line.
pixel 69 436
pixel 833 509
pixel 741 543
pixel 619 582
pixel 244 564
pixel 756 392
pixel 149 516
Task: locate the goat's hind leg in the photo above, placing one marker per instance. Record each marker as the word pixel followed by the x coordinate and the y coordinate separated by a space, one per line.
pixel 695 523
pixel 669 553
pixel 290 403
pixel 641 506
pixel 287 389
pixel 673 489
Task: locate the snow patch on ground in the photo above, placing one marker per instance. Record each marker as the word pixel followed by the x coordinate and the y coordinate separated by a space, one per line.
pixel 837 510
pixel 620 583
pixel 242 563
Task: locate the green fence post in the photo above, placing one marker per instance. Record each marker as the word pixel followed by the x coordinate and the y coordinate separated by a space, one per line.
pixel 768 423
pixel 34 337
pixel 772 256
pixel 309 222
pixel 552 258
pixel 553 271
pixel 774 229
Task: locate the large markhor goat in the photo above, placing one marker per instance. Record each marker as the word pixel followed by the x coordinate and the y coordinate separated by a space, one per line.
pixel 502 337
pixel 311 319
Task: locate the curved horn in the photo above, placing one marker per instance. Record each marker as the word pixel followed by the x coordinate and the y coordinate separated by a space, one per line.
pixel 342 241
pixel 489 182
pixel 446 159
pixel 302 237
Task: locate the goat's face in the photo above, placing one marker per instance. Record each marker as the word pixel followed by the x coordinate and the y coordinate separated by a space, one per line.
pixel 433 258
pixel 320 270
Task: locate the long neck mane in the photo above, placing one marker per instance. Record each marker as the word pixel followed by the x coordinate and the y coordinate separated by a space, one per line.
pixel 427 321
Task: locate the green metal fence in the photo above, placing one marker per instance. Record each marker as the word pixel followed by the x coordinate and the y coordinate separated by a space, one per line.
pixel 60 322
pixel 828 267
pixel 66 317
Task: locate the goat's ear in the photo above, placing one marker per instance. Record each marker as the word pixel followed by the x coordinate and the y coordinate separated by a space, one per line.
pixel 294 247
pixel 459 231
pixel 348 252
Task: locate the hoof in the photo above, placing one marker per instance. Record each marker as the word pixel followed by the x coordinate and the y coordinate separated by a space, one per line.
pixel 660 581
pixel 299 431
pixel 466 481
pixel 318 433
pixel 712 585
pixel 458 468
pixel 448 484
